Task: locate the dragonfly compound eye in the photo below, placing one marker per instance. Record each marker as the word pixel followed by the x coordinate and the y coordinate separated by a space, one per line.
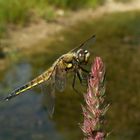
pixel 83 56
pixel 80 55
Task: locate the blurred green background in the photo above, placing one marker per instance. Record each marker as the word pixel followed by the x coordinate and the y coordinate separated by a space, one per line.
pixel 117 43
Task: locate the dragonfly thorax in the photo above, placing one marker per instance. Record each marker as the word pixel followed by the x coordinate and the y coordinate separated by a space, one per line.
pixel 82 56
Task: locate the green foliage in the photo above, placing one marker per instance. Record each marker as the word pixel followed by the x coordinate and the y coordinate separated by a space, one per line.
pixel 14 11
pixel 95 3
pixel 20 12
pixel 2 30
pixel 75 4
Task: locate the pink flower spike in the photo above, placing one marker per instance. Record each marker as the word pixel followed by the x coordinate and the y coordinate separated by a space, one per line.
pixel 95 108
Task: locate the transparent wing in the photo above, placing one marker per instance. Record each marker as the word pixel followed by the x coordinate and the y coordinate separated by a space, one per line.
pixel 60 79
pixel 85 44
pixel 57 81
pixel 48 89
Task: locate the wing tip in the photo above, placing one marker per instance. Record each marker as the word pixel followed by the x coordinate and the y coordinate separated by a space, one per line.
pixel 93 36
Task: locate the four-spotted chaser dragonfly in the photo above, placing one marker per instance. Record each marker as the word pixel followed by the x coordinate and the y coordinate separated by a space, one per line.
pixel 55 76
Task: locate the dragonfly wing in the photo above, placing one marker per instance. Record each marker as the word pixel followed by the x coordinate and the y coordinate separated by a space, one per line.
pixel 49 95
pixel 60 79
pixel 85 44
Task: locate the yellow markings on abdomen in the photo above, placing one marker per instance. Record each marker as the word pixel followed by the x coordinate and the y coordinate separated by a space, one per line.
pixel 40 79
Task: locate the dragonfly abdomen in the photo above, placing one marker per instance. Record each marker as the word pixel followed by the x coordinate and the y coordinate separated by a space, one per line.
pixel 40 79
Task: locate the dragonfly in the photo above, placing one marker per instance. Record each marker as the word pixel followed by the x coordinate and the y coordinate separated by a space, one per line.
pixel 55 76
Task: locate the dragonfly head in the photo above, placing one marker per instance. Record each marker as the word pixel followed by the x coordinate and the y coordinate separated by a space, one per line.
pixel 82 56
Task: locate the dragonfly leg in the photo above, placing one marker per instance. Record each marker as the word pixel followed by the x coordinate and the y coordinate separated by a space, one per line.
pixel 79 76
pixel 82 79
pixel 84 70
pixel 73 83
